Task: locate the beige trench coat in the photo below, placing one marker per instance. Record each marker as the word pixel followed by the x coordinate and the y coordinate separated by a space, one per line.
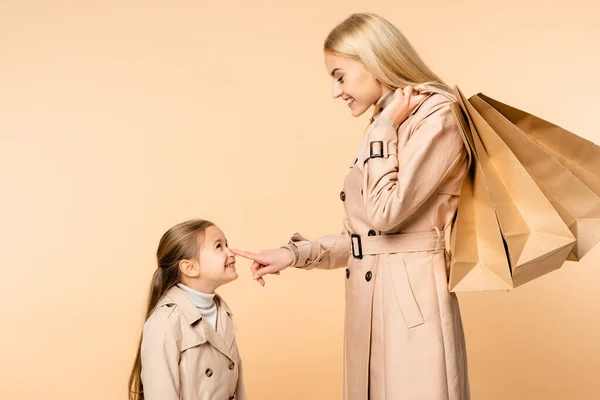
pixel 403 332
pixel 183 357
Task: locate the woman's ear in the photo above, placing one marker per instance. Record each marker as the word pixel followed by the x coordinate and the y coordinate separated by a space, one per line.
pixel 189 268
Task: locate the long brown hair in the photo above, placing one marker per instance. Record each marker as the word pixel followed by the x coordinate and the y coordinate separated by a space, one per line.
pixel 178 243
pixel 385 52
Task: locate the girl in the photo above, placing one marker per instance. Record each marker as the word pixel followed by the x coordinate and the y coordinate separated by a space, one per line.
pixel 188 349
pixel 403 331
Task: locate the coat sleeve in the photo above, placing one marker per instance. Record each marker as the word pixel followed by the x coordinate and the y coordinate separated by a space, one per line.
pixel 327 252
pixel 160 359
pixel 396 185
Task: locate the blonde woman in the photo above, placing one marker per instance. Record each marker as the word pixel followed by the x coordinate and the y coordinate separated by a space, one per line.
pixel 403 332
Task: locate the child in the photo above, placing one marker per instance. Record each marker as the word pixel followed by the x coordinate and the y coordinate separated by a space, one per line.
pixel 188 349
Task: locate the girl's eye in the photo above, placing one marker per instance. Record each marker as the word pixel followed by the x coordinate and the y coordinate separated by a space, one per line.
pixel 219 246
pixel 341 79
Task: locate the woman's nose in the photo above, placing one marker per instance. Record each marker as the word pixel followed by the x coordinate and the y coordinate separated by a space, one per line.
pixel 337 91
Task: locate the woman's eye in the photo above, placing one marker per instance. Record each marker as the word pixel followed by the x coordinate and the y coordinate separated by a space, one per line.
pixel 341 79
pixel 218 246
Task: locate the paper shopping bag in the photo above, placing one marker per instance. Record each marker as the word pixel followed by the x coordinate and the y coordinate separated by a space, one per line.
pixel 575 203
pixel 537 240
pixel 479 260
pixel 478 255
pixel 578 155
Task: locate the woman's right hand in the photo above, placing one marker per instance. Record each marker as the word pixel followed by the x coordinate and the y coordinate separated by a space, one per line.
pixel 402 104
pixel 266 262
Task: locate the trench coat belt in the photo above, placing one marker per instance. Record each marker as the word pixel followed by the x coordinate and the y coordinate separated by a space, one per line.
pixel 398 243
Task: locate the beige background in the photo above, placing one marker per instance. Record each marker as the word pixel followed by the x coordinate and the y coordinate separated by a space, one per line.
pixel 121 118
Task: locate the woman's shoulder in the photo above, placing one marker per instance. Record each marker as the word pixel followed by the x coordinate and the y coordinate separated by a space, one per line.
pixel 433 103
pixel 435 110
pixel 437 115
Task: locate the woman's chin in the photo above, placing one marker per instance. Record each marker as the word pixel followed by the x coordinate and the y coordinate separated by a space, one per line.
pixel 357 112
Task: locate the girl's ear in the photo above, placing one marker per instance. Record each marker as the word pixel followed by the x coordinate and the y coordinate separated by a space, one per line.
pixel 189 268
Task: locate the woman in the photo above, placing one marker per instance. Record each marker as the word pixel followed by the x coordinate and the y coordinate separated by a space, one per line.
pixel 403 332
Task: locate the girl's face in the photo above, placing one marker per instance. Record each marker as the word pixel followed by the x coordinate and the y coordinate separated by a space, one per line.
pixel 215 266
pixel 353 83
pixel 217 262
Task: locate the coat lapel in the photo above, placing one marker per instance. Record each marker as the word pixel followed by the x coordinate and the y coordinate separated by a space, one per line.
pixel 222 338
pixel 199 331
pixel 225 323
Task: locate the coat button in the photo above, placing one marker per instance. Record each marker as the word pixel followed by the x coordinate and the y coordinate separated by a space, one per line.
pixel 231 365
pixel 342 196
pixel 368 276
pixel 209 372
pixel 347 273
pixel 372 233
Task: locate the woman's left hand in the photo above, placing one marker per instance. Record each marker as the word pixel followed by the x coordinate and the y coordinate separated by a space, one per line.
pixel 403 103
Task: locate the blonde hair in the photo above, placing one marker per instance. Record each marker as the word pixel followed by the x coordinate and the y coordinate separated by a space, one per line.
pixel 178 243
pixel 385 52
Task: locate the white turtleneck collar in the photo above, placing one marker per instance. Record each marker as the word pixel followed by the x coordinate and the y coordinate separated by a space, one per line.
pixel 204 302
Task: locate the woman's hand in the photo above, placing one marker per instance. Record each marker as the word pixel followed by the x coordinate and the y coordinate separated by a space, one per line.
pixel 267 261
pixel 403 103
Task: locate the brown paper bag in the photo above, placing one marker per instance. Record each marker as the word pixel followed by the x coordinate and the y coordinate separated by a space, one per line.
pixel 576 203
pixel 537 239
pixel 479 259
pixel 578 155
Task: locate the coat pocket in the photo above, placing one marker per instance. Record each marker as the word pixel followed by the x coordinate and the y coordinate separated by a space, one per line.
pixel 400 282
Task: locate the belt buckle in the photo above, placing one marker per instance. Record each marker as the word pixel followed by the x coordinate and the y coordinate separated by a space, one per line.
pixel 356 238
pixel 376 149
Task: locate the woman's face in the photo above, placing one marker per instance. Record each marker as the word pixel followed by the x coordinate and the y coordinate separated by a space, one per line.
pixel 353 83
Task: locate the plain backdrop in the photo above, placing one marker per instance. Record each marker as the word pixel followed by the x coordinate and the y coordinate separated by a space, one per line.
pixel 119 119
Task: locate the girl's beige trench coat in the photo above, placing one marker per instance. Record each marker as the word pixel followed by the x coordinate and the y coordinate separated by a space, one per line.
pixel 183 357
pixel 403 335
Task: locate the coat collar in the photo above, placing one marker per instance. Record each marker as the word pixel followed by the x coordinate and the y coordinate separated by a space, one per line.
pixel 387 97
pixel 201 331
pixel 190 312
